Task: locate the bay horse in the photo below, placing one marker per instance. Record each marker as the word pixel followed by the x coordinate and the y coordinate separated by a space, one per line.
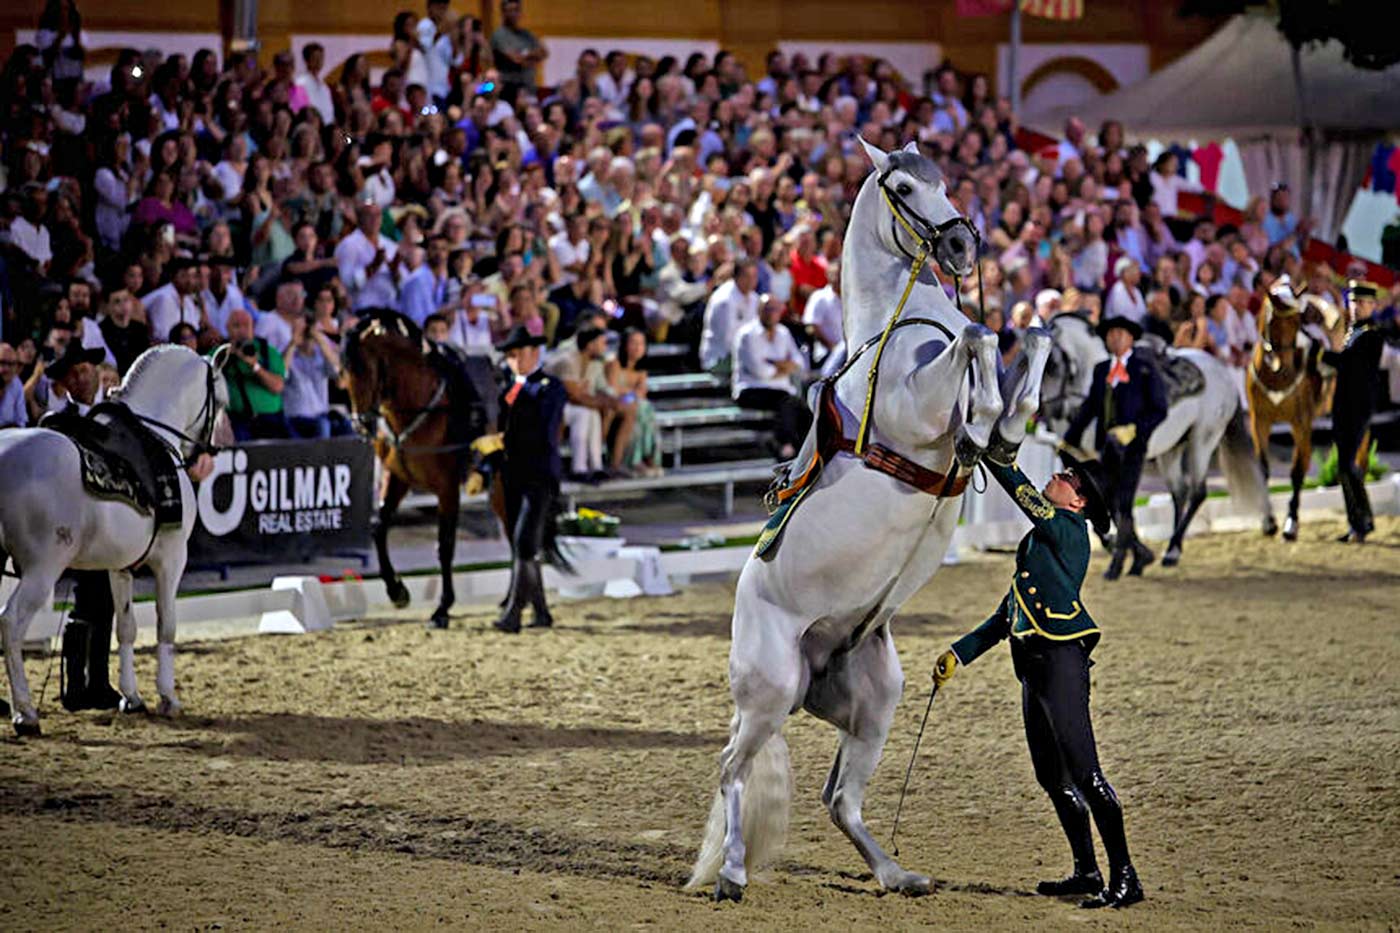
pixel 50 522
pixel 811 626
pixel 422 436
pixel 1283 384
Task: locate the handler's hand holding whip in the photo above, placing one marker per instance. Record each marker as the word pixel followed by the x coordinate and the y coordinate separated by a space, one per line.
pixel 944 668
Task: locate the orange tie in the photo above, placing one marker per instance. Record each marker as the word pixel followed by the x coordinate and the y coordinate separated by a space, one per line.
pixel 1117 372
pixel 512 392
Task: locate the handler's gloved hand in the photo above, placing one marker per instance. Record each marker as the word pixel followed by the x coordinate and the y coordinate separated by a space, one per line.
pixel 1124 434
pixel 475 483
pixel 944 667
pixel 488 444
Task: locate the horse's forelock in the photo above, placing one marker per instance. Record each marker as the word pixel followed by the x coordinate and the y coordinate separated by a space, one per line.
pixel 917 164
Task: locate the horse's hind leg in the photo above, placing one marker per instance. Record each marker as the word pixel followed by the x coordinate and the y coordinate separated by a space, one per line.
pixel 394 491
pixel 749 818
pixel 126 644
pixel 858 694
pixel 1259 425
pixel 27 599
pixel 448 508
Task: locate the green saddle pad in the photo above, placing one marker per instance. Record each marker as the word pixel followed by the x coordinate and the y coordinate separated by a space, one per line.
pixel 773 530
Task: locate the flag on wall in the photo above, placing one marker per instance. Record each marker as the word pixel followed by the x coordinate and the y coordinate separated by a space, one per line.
pixel 1054 9
pixel 1046 9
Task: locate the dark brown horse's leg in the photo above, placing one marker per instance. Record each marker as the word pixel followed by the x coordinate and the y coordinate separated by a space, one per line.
pixel 449 506
pixel 394 492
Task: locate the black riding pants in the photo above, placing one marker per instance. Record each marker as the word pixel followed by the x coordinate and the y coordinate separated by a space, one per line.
pixel 1123 465
pixel 1054 679
pixel 87 637
pixel 791 417
pixel 1349 439
pixel 528 510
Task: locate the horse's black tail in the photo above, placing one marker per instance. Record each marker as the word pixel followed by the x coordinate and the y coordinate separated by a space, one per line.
pixel 553 551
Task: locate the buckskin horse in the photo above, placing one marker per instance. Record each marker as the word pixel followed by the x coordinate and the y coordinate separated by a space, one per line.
pixel 879 484
pixel 50 521
pixel 1283 384
pixel 422 423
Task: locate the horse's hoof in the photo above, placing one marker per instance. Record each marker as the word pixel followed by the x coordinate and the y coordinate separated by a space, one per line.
pixel 1290 529
pixel 132 705
pixel 169 707
pixel 1171 558
pixel 27 728
pixel 726 890
pixel 438 621
pixel 398 595
pixel 1270 526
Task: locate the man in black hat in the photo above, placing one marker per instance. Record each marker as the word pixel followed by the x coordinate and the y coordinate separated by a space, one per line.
pixel 1358 367
pixel 532 410
pixel 87 635
pixel 1129 400
pixel 1052 635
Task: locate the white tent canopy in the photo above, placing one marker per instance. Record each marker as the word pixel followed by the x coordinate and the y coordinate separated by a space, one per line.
pixel 1239 83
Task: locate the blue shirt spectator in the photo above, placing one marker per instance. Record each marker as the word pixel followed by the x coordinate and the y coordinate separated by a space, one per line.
pixel 12 411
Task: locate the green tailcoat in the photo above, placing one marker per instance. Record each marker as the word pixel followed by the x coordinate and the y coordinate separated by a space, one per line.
pixel 1050 565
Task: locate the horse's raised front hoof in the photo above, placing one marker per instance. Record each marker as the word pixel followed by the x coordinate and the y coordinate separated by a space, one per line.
pixel 910 884
pixel 1290 529
pixel 169 707
pixel 1270 526
pixel 726 890
pixel 27 728
pixel 398 594
pixel 133 705
pixel 1171 558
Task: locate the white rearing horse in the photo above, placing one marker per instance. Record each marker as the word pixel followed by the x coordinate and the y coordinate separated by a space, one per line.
pixel 811 621
pixel 49 522
pixel 1196 427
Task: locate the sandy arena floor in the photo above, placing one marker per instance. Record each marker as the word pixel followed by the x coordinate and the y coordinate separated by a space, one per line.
pixel 380 776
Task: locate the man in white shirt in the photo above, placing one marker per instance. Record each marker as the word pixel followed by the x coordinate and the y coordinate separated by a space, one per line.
pixel 823 314
pixel 733 304
pixel 318 92
pixel 221 295
pixel 1199 245
pixel 583 414
pixel 27 231
pixel 614 84
pixel 416 291
pixel 174 302
pixel 570 248
pixel 431 28
pixel 767 363
pixel 379 183
pixel 367 262
pixel 279 327
pixel 1125 298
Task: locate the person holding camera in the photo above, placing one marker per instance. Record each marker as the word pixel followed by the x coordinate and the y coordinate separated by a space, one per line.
pixel 311 361
pixel 256 380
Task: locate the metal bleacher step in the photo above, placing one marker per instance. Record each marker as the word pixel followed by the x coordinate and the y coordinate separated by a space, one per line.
pixel 676 383
pixel 711 437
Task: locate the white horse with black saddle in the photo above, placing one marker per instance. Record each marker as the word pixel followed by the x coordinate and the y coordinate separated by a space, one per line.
pixel 50 522
pixel 1197 425
pixel 879 486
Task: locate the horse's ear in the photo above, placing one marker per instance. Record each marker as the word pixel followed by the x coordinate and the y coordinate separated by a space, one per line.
pixel 912 146
pixel 221 356
pixel 878 157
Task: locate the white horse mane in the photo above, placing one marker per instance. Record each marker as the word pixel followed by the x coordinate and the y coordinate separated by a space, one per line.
pixel 153 359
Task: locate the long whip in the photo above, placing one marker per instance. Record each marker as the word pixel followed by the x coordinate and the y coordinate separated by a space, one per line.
pixel 908 772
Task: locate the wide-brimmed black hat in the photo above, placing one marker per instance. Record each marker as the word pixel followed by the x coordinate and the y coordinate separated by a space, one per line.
pixel 1127 323
pixel 74 354
pixel 519 337
pixel 1092 483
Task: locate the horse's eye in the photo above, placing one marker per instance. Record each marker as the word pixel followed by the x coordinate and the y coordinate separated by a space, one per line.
pixel 904 189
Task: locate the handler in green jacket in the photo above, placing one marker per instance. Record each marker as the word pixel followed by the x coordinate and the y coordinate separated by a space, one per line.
pixel 1052 635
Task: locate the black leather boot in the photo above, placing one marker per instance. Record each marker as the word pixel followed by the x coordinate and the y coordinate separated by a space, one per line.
pixel 1123 889
pixel 543 618
pixel 100 694
pixel 74 695
pixel 509 621
pixel 1087 883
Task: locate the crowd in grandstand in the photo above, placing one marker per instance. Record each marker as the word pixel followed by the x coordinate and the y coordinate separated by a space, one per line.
pixel 638 200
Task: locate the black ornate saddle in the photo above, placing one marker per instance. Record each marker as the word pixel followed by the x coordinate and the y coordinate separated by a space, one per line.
pixel 1182 377
pixel 122 459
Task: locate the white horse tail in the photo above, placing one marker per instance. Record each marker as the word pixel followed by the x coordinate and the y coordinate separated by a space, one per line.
pixel 767 797
pixel 1243 474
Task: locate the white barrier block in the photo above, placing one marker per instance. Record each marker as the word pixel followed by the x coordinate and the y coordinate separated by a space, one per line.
pixel 309 612
pixel 651 578
pixel 580 550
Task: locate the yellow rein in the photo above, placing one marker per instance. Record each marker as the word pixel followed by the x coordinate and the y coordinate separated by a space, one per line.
pixel 919 259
